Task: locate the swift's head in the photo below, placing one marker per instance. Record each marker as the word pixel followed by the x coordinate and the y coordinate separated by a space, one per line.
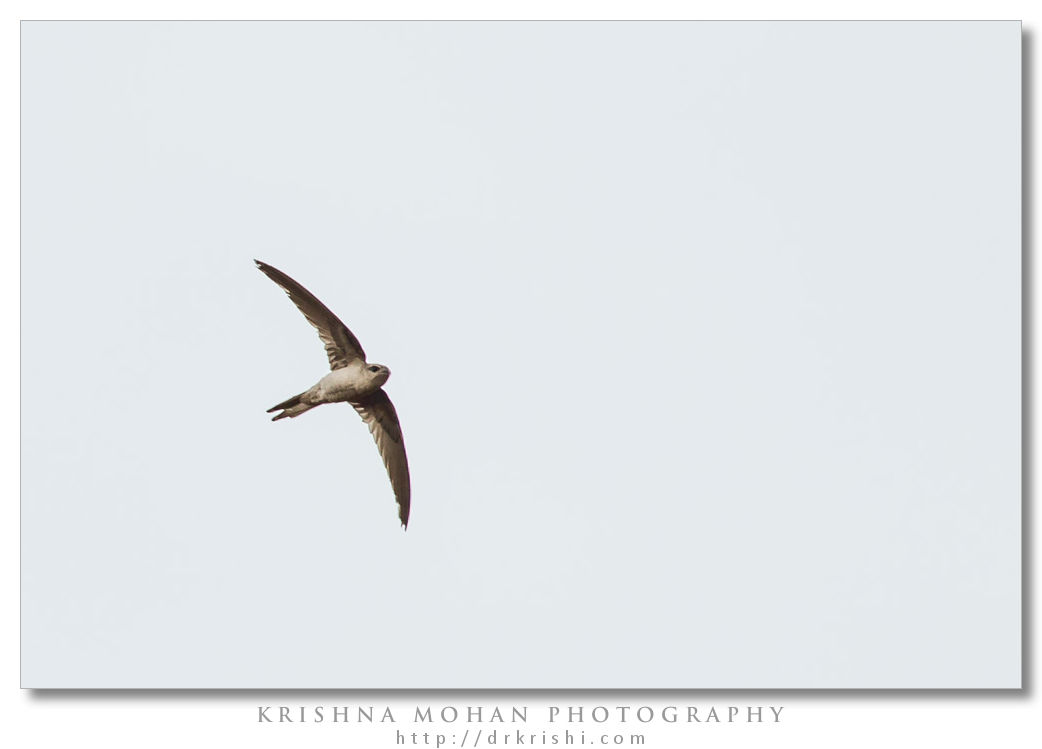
pixel 377 374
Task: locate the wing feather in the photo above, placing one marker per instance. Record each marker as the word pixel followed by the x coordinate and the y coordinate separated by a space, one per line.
pixel 342 347
pixel 378 413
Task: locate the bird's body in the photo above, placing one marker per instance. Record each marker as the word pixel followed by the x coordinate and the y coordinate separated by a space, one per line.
pixel 352 380
pixel 352 383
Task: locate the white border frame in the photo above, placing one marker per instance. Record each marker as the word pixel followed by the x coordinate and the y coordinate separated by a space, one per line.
pixel 168 719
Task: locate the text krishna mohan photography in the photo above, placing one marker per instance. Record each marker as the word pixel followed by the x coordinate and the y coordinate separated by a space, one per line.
pixel 705 342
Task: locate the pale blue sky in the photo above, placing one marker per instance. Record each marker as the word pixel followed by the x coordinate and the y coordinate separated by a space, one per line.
pixel 705 340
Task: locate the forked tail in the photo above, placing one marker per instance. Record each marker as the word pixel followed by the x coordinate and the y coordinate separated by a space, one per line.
pixel 291 407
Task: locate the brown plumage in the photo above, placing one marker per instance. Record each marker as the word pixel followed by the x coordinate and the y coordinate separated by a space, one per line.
pixel 351 379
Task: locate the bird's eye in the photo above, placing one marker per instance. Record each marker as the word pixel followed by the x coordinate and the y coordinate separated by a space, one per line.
pixel 374 369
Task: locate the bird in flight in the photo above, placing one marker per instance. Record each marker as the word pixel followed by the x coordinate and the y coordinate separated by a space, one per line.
pixel 353 380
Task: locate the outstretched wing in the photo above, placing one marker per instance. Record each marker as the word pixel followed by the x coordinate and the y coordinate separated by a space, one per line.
pixel 378 412
pixel 341 345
